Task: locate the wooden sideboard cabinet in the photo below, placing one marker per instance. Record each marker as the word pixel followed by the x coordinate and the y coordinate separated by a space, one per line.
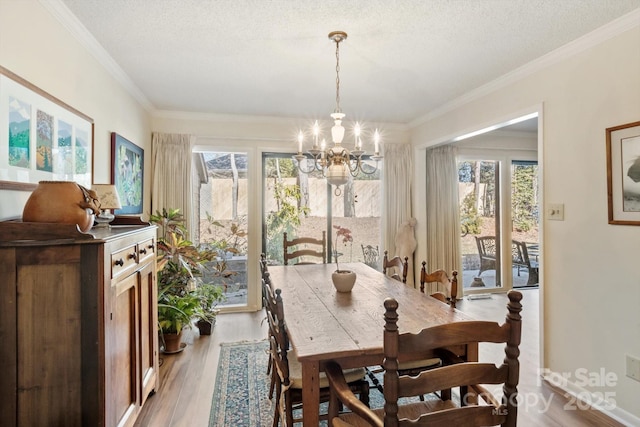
pixel 78 324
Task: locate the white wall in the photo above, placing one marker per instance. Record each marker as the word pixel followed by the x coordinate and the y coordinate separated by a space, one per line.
pixel 591 286
pixel 35 46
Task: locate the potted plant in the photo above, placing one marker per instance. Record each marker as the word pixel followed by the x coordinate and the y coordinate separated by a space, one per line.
pixel 175 312
pixel 180 265
pixel 343 280
pixel 209 295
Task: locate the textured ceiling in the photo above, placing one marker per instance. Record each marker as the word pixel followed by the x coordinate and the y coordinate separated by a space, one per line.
pixel 402 58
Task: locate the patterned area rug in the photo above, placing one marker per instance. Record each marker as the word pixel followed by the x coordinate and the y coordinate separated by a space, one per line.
pixel 240 397
pixel 242 385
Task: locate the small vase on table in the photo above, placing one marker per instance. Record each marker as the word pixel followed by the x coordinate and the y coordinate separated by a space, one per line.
pixel 343 280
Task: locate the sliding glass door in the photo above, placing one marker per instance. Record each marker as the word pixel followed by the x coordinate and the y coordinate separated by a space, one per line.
pixel 499 224
pixel 221 201
pixel 303 205
pixel 479 192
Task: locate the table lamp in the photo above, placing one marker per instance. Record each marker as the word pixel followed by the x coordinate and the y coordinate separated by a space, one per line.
pixel 109 199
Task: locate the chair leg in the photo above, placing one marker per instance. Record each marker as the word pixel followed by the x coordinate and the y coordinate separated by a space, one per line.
pixel 276 414
pixel 364 392
pixel 273 382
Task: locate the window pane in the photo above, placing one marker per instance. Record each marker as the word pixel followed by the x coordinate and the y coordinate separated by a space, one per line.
pixel 479 216
pixel 524 213
pixel 302 205
pixel 222 202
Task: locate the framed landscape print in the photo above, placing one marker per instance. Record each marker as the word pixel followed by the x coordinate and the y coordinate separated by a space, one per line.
pixel 127 171
pixel 623 174
pixel 41 137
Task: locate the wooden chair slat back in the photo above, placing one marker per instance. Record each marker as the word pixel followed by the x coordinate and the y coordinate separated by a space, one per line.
pixel 318 249
pixel 450 284
pixel 400 267
pixel 278 338
pixel 465 374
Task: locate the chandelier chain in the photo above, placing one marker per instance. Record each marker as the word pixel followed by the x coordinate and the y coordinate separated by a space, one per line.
pixel 338 77
pixel 338 163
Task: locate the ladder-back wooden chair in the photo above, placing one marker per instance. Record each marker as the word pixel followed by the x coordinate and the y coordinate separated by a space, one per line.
pixel 411 368
pixel 287 370
pixel 395 267
pixel 479 406
pixel 450 285
pixel 305 248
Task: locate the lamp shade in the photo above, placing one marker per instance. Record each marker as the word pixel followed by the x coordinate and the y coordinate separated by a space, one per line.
pixel 108 196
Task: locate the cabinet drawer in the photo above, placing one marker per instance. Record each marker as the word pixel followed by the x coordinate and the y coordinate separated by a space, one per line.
pixel 123 260
pixel 146 249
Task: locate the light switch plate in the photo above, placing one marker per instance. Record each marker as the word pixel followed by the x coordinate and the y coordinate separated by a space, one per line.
pixel 633 367
pixel 555 211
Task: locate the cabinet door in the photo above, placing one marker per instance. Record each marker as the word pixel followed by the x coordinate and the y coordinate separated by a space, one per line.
pixel 49 325
pixel 124 355
pixel 148 296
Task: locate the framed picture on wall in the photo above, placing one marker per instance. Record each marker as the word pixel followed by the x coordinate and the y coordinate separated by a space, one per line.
pixel 127 171
pixel 41 137
pixel 623 174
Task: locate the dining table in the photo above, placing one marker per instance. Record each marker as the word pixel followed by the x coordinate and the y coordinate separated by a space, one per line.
pixel 347 327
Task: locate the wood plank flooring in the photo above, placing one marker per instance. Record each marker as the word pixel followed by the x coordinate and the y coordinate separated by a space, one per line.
pixel 188 378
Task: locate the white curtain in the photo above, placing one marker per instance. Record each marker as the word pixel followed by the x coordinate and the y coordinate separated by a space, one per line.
pixel 443 215
pixel 171 172
pixel 396 210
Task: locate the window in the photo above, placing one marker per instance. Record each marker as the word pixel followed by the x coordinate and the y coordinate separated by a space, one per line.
pixel 304 205
pixel 222 202
pixel 478 188
pixel 484 210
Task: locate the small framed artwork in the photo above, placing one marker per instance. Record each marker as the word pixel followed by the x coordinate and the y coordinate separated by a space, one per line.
pixel 127 171
pixel 41 137
pixel 623 174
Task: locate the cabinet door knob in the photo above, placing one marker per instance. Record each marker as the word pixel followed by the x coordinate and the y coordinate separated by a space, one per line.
pixel 143 251
pixel 132 255
pixel 119 262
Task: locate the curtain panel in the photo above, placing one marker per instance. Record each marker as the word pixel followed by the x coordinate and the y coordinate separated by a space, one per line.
pixel 443 215
pixel 171 175
pixel 397 178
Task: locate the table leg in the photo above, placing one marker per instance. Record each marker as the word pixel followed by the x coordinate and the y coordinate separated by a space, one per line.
pixel 310 393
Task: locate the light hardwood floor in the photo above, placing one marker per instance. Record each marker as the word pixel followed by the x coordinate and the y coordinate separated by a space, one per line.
pixel 184 398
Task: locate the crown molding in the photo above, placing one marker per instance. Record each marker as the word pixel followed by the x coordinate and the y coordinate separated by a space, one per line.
pixel 62 13
pixel 600 35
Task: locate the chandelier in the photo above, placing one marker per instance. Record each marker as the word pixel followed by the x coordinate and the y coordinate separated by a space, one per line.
pixel 337 163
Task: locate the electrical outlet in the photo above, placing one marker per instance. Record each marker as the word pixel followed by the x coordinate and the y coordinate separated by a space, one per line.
pixel 633 367
pixel 555 211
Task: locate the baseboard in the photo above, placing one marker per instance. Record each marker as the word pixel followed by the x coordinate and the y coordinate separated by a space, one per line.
pixel 593 400
pixel 471 297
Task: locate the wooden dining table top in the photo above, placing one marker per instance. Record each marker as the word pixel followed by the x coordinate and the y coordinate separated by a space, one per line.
pixel 324 324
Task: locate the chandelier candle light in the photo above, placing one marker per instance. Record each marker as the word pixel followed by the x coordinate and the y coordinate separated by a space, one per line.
pixel 337 162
